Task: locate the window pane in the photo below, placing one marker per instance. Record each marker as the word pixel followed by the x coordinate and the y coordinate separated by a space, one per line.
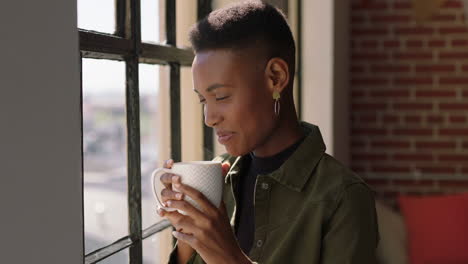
pixel 153 21
pixel 105 153
pixel 155 132
pixel 121 257
pixel 156 248
pixel 97 15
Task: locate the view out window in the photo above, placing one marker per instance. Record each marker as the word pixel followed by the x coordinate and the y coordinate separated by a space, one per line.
pixel 130 68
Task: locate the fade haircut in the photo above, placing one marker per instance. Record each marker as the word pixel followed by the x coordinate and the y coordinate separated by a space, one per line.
pixel 243 25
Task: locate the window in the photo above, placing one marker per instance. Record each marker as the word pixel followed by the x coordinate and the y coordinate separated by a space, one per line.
pixel 132 73
pixel 135 115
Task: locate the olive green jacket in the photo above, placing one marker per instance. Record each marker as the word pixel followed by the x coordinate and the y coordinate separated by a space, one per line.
pixel 311 210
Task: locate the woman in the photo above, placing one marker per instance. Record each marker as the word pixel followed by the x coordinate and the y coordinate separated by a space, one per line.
pixel 285 200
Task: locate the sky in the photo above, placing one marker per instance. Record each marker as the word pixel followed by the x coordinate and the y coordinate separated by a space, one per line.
pixel 108 77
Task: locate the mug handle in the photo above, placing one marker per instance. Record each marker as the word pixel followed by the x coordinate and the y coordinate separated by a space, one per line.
pixel 155 192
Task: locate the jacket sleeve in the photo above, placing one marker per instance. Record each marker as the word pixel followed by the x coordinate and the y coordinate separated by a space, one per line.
pixel 351 235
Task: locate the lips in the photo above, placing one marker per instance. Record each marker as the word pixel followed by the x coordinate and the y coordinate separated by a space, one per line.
pixel 224 136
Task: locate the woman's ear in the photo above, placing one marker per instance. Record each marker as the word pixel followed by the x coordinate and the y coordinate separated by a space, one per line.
pixel 277 74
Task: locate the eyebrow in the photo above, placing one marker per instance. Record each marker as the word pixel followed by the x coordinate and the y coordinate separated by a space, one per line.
pixel 212 87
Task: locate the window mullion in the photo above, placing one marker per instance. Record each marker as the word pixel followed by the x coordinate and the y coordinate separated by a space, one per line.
pixel 133 32
pixel 176 149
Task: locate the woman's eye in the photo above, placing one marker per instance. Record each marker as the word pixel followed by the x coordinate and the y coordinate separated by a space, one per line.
pixel 221 98
pixel 202 101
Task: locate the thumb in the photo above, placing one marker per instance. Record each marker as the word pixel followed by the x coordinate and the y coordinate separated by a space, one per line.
pixel 225 168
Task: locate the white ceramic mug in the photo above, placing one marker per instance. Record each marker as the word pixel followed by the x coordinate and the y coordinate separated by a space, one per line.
pixel 204 176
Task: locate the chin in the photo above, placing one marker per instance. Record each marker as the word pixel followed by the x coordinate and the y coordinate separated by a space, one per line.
pixel 233 151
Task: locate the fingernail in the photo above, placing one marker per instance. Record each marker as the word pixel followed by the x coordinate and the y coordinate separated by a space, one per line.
pixel 175 234
pixel 168 203
pixel 179 196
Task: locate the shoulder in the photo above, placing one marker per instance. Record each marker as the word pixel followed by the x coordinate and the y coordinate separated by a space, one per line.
pixel 332 180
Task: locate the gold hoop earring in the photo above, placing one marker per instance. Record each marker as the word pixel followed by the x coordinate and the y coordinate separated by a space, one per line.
pixel 276 97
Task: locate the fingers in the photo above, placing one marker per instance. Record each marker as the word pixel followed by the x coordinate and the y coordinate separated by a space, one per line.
pixel 168 194
pixel 185 206
pixel 168 163
pixel 198 197
pixel 225 168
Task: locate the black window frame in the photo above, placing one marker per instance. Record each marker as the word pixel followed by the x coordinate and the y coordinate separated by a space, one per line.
pixel 126 45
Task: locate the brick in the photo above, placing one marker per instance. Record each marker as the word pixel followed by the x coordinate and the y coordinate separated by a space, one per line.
pixel 414 43
pixel 465 67
pixel 414 31
pixel 412 106
pixel 452 4
pixel 413 182
pixel 369 81
pixel 390 93
pixel 453 183
pixel 369 44
pixel 412 157
pixel 390 68
pixel 453 131
pixel 434 144
pixel 436 43
pixel 413 80
pixel 437 169
pixel 402 5
pixel 465 93
pixel 413 119
pixel 394 169
pixel 453 157
pixel 390 19
pixel 453 80
pixel 453 55
pixel 433 119
pixel 369 106
pixel 453 30
pixel 373 182
pixel 444 18
pixel 369 56
pixel 412 131
pixel 391 144
pixel 369 131
pixel 413 56
pixel 390 119
pixel 453 106
pixel 457 119
pixel 369 5
pixel 369 32
pixel 391 44
pixel 369 157
pixel 465 170
pixel 435 93
pixel 434 68
pixel 459 42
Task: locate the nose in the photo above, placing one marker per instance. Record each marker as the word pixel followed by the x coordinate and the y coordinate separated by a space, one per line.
pixel 212 116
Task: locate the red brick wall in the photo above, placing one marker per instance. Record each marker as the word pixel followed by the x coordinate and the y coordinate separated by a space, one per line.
pixel 409 98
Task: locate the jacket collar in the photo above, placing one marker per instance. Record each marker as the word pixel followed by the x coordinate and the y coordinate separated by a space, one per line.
pixel 297 169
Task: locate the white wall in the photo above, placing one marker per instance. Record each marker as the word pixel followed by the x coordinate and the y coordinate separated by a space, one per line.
pixel 40 135
pixel 325 72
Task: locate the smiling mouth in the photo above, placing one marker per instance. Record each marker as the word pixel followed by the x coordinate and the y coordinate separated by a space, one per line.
pixel 224 138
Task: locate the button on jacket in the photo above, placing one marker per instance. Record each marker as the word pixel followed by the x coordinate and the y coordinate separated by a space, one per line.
pixel 311 210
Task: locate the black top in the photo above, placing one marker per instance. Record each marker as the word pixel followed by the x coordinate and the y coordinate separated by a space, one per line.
pixel 245 219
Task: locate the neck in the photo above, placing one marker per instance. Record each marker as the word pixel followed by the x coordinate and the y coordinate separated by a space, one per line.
pixel 286 133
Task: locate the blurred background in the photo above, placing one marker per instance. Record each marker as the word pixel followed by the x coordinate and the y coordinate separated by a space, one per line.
pixel 385 80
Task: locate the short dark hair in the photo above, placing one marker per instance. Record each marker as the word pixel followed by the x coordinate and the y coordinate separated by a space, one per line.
pixel 244 25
